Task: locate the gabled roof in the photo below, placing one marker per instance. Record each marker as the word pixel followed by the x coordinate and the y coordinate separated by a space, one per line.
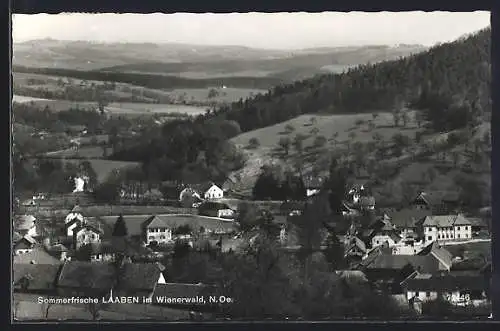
pixel 139 276
pixel 202 188
pixel 77 209
pixel 406 218
pixel 194 221
pixel 25 242
pixel 37 255
pixel 440 253
pixel 398 262
pixel 355 243
pixel 39 276
pixel 445 283
pixel 87 275
pixel 445 221
pixel 437 197
pixel 87 227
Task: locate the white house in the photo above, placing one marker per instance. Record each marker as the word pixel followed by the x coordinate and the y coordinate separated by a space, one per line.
pixel 25 245
pixel 213 192
pixel 75 213
pixel 457 290
pixel 157 230
pixel 447 228
pixel 85 234
pixel 381 238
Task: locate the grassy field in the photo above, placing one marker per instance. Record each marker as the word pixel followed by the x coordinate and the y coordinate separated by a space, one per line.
pixel 126 108
pixel 225 95
pixel 349 129
pixel 473 249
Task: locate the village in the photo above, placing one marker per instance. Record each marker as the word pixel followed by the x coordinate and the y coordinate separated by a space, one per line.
pixel 425 252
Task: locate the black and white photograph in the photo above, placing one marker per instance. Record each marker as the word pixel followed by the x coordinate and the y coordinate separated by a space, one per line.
pixel 287 166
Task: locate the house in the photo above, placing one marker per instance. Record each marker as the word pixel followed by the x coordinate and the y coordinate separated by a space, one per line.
pixel 408 221
pixel 216 209
pixel 139 279
pixel 37 255
pixel 457 290
pixel 157 230
pixel 388 270
pixel 440 202
pixel 212 192
pixel 391 238
pixel 354 249
pixel 78 278
pixel 26 225
pixel 75 213
pixel 441 254
pixel 313 185
pixel 109 250
pixel 60 251
pixel 185 296
pixel 85 234
pixel 35 278
pixel 447 228
pixel 24 245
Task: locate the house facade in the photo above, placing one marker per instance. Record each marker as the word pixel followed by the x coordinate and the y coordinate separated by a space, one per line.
pixel 24 245
pixel 85 234
pixel 457 290
pixel 213 192
pixel 156 230
pixel 447 228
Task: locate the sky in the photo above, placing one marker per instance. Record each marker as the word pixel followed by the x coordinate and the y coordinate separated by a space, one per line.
pixel 258 30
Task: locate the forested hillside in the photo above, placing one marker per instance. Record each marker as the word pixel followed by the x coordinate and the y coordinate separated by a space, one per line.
pixel 450 82
pixel 459 70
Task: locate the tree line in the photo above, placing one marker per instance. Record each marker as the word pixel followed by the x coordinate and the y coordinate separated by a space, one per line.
pixel 153 80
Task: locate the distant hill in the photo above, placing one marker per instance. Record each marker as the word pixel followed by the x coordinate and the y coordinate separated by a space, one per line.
pixel 460 69
pixel 188 61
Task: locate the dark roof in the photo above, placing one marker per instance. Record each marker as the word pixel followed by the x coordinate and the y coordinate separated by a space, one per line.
pixel 446 220
pixel 440 253
pixel 141 276
pixel 476 263
pixel 408 217
pixel 178 290
pixel 398 262
pixel 87 275
pixel 24 243
pixel 194 221
pixel 437 197
pixel 445 283
pixel 37 255
pixel 202 188
pixel 40 276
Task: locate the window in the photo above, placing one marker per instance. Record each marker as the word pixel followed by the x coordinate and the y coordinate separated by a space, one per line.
pixel 427 294
pixel 162 237
pixel 458 228
pixel 439 236
pixel 417 293
pixel 429 238
pixel 458 236
pixel 151 237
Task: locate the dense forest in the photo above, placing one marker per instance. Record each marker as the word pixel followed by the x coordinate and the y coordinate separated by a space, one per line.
pixel 459 71
pixel 155 81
